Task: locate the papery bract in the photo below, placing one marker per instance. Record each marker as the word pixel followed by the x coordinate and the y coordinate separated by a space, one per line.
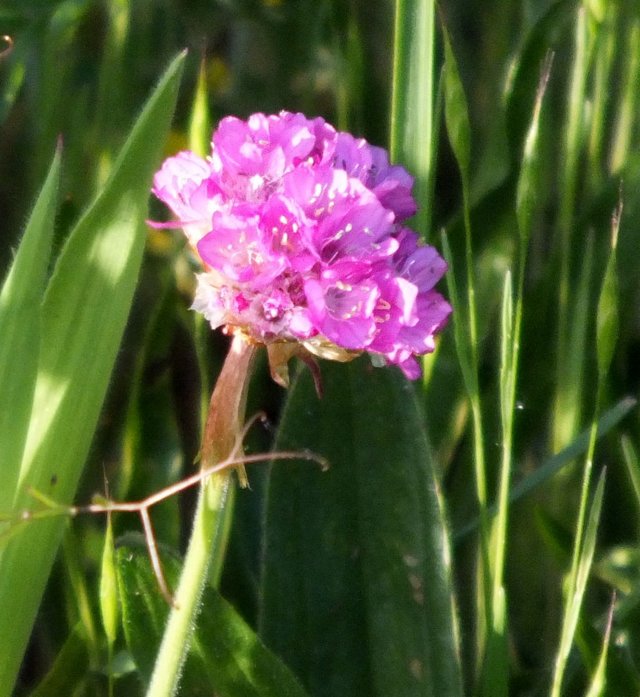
pixel 300 229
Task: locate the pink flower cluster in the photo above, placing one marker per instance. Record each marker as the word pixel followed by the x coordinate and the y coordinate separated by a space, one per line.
pixel 300 230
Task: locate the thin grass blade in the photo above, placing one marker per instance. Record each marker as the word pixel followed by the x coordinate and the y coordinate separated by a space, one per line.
pixel 573 605
pixel 599 678
pixel 411 141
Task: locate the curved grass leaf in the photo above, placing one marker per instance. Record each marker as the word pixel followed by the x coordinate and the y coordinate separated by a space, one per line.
pixel 68 670
pixel 83 316
pixel 356 592
pixel 522 95
pixel 456 110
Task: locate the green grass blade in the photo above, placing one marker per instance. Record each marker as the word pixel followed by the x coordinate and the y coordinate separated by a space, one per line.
pixel 496 664
pixel 574 601
pixel 569 356
pixel 54 93
pixel 521 98
pixel 20 300
pixel 607 320
pixel 633 465
pixel 599 678
pixel 199 134
pixel 226 655
pixel 623 140
pixel 568 407
pixel 72 553
pixel 412 99
pixel 605 51
pixel 550 467
pixel 67 672
pixel 83 316
pixel 456 112
pixel 108 590
pixel 12 74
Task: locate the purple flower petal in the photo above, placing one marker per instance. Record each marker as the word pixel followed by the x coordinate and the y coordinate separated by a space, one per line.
pixel 300 230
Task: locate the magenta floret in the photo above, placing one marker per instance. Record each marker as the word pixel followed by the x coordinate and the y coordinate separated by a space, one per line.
pixel 300 232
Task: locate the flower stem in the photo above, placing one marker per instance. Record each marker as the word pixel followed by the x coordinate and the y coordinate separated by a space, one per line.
pixel 221 438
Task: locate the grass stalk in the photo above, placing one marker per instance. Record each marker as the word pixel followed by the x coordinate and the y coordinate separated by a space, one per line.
pixel 584 542
pixel 226 414
pixel 629 102
pixel 412 100
pixel 570 363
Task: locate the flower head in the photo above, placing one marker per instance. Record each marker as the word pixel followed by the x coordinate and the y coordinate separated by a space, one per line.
pixel 300 229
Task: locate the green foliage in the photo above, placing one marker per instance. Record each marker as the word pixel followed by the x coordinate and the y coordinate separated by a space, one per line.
pixel 412 102
pixel 369 534
pixel 339 582
pixel 226 654
pixel 78 335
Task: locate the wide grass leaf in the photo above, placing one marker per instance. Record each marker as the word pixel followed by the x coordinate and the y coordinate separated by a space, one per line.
pixel 356 595
pixel 20 300
pixel 83 316
pixel 69 668
pixel 226 654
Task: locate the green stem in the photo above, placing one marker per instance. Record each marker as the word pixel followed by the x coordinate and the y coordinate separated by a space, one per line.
pixel 226 414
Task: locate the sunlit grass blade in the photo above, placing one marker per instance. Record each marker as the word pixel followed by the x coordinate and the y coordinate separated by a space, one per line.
pixel 412 101
pixel 568 405
pixel 570 359
pixel 550 467
pixel 623 142
pixel 575 597
pixel 495 676
pixel 633 465
pixel 604 61
pixel 599 678
pixel 456 118
pixel 607 319
pixel 584 544
pixel 72 551
pixel 459 132
pixel 20 300
pixel 199 134
pixel 108 592
pixel 83 315
pixel 109 610
pixel 495 667
pixel 111 85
